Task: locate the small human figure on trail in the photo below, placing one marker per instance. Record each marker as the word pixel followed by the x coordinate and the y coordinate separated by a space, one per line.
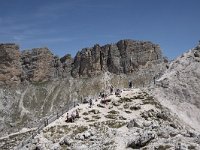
pixel 85 101
pixel 130 84
pixel 111 89
pixel 90 103
pixel 118 92
pixel 67 119
pixel 73 116
pixel 70 119
pixel 154 80
pixel 102 95
pixel 77 114
pixel 67 116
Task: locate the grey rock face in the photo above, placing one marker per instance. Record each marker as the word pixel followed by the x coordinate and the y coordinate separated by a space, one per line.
pixel 10 69
pixel 178 88
pixel 66 61
pixel 40 64
pixel 37 64
pixel 126 56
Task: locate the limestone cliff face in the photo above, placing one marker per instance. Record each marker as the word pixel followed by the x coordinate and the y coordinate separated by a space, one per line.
pixel 125 56
pixel 10 67
pixel 179 87
pixel 39 64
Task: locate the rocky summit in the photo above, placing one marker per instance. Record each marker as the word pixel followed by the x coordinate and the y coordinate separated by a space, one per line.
pixel 126 56
pixel 117 96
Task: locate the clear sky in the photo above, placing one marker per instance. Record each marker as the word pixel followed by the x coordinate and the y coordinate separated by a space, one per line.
pixel 66 26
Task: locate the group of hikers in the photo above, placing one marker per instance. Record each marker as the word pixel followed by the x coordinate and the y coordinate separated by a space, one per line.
pixel 102 95
pixel 74 115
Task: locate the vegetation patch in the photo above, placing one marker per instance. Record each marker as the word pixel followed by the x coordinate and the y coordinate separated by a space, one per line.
pixel 164 147
pixel 96 117
pixel 115 124
pixel 66 129
pixel 122 118
pixel 125 99
pixel 51 129
pixel 94 111
pixel 111 116
pixel 56 132
pixel 135 107
pixel 86 118
pixel 116 103
pixel 191 147
pixel 126 106
pixel 149 100
pixel 109 143
pixel 85 113
pixel 128 112
pixel 80 129
pixel 91 121
pixel 138 97
pixel 113 112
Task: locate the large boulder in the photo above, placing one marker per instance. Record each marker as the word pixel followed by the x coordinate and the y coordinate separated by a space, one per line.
pixel 142 140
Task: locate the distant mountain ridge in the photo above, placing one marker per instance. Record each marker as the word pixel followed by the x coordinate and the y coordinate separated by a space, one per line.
pixel 39 64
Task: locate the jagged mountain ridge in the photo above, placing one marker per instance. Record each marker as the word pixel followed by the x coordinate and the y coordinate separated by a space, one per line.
pixel 39 64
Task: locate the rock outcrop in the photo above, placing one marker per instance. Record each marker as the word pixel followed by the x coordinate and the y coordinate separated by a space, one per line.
pixel 66 61
pixel 126 56
pixel 37 64
pixel 10 66
pixel 179 87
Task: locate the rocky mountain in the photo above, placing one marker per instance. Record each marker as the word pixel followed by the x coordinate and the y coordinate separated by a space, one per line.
pixel 35 83
pixel 179 87
pixel 161 112
pixel 39 64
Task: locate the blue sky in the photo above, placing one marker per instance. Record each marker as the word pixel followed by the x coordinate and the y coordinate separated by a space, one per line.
pixel 66 26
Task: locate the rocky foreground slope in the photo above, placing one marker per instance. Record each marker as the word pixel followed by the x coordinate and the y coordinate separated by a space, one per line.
pixel 179 87
pixel 134 120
